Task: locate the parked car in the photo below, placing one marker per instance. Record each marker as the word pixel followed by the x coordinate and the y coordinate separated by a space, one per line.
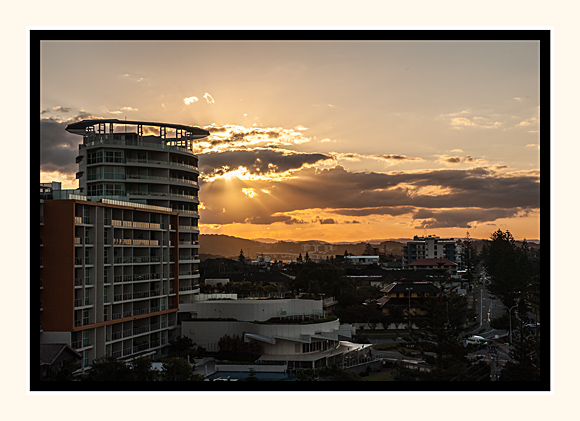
pixel 475 340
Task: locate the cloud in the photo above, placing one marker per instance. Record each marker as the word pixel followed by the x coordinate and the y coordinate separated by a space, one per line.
pixel 533 145
pixel 383 210
pixel 190 100
pixel 460 218
pixel 272 219
pixel 396 158
pixel 327 221
pixel 228 137
pixel 446 159
pixel 349 193
pixel 119 111
pixel 57 109
pixel 250 192
pixel 209 98
pixel 257 162
pixel 58 148
pixel 462 121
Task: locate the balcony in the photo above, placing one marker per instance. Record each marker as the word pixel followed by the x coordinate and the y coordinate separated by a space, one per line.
pixel 137 242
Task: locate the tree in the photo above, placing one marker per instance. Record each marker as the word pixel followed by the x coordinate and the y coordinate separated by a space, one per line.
pixel 441 327
pixel 182 347
pixel 109 369
pixel 525 350
pixel 502 263
pixel 242 258
pixel 299 258
pixel 178 369
pixel 142 369
pixel 369 250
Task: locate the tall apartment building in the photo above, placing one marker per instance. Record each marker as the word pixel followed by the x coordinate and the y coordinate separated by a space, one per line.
pixel 430 247
pixel 121 253
pixel 140 163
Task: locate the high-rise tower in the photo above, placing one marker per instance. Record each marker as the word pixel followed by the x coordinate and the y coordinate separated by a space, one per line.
pixel 148 163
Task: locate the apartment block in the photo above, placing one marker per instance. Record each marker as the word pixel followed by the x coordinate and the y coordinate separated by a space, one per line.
pixel 109 277
pixel 430 247
pixel 121 253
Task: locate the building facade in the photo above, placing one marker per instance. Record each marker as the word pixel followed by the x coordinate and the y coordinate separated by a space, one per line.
pixel 430 247
pixel 147 163
pixel 292 331
pixel 109 277
pixel 121 253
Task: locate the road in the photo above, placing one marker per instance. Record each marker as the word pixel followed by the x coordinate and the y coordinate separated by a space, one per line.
pixel 488 308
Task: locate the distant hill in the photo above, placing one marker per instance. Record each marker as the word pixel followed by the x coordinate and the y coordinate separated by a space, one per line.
pixel 219 245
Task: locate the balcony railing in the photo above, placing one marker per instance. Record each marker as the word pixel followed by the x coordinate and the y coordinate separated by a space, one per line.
pixel 183 180
pixel 138 277
pixel 136 242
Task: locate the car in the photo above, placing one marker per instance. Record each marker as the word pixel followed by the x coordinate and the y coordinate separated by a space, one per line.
pixel 475 340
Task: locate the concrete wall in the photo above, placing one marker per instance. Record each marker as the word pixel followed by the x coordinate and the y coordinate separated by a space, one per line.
pixel 260 310
pixel 207 334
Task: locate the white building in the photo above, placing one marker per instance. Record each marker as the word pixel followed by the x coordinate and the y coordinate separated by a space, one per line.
pixel 296 332
pixel 362 260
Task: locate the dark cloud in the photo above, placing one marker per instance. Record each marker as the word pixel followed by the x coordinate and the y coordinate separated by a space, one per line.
pixel 58 148
pixel 327 221
pixel 460 218
pixel 374 193
pixel 256 161
pixel 452 160
pixel 397 158
pixel 393 211
pixel 268 219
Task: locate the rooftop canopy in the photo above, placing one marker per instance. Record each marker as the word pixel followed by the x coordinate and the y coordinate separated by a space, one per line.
pixel 81 126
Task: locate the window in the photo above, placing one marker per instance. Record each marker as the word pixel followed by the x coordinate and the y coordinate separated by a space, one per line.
pixel 85 358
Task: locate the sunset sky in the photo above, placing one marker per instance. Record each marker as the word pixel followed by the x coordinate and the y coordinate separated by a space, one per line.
pixel 322 140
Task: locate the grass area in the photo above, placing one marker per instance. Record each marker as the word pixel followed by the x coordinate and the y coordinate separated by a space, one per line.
pixel 382 376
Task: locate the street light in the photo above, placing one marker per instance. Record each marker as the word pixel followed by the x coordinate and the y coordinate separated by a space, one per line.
pixel 510 317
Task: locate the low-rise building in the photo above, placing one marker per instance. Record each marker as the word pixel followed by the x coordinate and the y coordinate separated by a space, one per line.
pixel 362 260
pixel 292 331
pixel 407 296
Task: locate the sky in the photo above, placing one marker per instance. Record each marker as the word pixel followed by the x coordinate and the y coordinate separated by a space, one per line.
pixel 322 140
